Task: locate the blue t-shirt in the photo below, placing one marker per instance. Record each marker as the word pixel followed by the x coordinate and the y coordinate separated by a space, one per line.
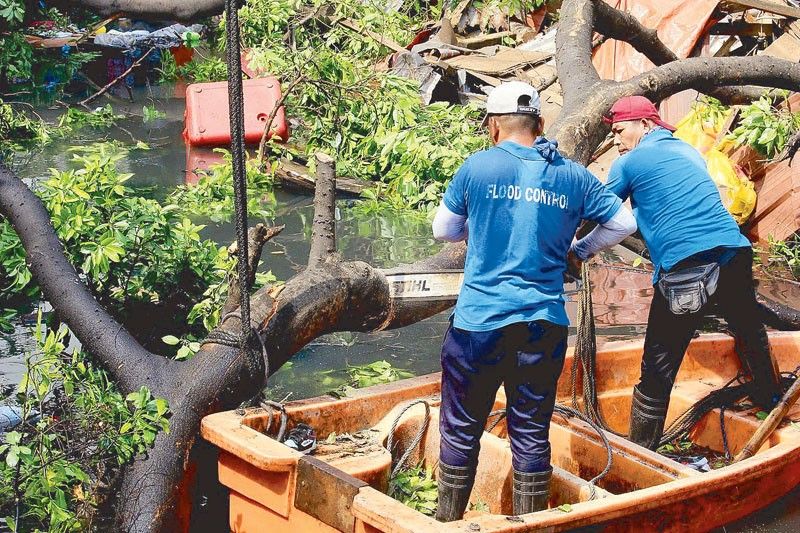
pixel 675 202
pixel 523 205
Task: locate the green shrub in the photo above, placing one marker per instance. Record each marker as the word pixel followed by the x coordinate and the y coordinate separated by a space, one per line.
pixel 76 432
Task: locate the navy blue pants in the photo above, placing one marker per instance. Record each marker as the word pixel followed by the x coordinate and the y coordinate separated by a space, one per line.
pixel 527 358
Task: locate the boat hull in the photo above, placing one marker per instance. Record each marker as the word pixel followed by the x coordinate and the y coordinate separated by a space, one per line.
pixel 342 487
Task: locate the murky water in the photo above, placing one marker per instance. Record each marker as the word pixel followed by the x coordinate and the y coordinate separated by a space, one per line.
pixel 621 294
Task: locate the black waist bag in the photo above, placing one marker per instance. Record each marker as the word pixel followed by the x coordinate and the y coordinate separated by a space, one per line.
pixel 688 289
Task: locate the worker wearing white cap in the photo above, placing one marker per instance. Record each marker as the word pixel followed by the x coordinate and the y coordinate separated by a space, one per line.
pixel 519 204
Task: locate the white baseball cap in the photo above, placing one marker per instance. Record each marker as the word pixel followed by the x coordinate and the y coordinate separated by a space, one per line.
pixel 513 97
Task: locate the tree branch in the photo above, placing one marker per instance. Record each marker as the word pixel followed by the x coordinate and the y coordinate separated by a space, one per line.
pixel 623 26
pixel 262 145
pixel 323 228
pixel 257 237
pixel 580 128
pixel 103 337
pixel 155 9
pixel 704 74
pixel 113 82
pixel 574 50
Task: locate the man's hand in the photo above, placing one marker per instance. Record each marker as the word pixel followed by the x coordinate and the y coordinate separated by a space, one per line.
pixel 574 265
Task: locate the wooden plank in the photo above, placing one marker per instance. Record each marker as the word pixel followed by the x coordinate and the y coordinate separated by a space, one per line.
pixel 504 62
pixel 763 5
pixel 741 29
pixel 787 46
pixel 777 212
pixel 326 493
pixel 297 176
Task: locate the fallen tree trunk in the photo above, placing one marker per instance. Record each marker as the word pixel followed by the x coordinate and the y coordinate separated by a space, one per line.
pixel 330 295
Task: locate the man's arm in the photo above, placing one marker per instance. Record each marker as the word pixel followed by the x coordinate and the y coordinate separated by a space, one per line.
pixel 606 234
pixel 616 182
pixel 448 226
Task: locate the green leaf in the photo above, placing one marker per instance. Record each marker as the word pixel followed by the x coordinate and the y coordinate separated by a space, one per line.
pixel 762 415
pixel 12 458
pixel 565 508
pixel 171 340
pixel 184 352
pixel 767 136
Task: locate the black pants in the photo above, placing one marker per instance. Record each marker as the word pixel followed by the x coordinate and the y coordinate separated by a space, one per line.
pixel 668 335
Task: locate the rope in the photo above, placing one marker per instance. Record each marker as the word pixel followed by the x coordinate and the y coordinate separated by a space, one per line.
pixel 569 412
pixel 417 438
pixel 726 450
pixel 255 362
pixel 585 358
pixel 724 398
pixel 270 406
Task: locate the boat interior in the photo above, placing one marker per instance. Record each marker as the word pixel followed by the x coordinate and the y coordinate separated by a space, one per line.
pixel 354 434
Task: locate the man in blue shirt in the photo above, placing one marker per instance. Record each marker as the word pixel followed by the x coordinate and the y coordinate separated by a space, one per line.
pixel 700 259
pixel 518 204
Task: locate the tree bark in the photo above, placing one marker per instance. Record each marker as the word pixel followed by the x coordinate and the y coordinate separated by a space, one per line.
pixel 257 237
pixel 155 9
pixel 323 227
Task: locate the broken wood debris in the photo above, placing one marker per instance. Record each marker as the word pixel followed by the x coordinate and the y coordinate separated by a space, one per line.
pixel 777 8
pixel 297 176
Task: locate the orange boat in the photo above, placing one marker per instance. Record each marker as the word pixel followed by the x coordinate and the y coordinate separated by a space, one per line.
pixel 342 487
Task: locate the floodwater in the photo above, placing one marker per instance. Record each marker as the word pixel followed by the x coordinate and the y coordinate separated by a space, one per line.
pixel 621 293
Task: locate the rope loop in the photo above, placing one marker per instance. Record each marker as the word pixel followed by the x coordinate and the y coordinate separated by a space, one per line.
pixel 415 442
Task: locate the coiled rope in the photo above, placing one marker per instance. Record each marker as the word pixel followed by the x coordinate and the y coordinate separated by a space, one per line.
pixel 569 412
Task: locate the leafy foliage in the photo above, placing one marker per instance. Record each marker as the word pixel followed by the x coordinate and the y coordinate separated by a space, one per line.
pixel 16 57
pixel 18 131
pixel 786 253
pixel 99 118
pixel 376 373
pixel 416 488
pixel 374 122
pixel 131 251
pixel 195 71
pixel 191 39
pixel 76 432
pixel 151 113
pixel 12 11
pixel 766 128
pixel 6 316
pixel 359 376
pixel 212 196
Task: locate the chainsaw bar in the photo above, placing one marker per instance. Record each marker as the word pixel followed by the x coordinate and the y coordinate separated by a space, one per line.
pixel 434 286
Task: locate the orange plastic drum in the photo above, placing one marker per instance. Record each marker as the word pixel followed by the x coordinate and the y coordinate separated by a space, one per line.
pixel 208 121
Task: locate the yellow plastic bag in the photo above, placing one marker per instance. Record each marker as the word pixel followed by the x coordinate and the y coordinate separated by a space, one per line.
pixel 736 190
pixel 700 133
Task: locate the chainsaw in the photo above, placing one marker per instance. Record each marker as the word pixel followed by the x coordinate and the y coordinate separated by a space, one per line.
pixel 439 285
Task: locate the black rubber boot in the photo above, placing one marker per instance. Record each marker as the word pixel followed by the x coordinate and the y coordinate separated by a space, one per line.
pixel 647 419
pixel 455 484
pixel 752 347
pixel 531 491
